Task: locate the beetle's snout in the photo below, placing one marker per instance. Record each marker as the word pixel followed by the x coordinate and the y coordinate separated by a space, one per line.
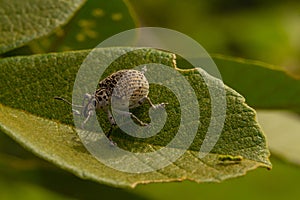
pixel 89 107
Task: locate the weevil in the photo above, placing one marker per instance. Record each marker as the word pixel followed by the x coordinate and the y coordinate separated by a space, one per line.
pixel 129 87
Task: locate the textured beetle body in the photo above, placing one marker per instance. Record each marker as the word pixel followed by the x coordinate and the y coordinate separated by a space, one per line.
pixel 125 85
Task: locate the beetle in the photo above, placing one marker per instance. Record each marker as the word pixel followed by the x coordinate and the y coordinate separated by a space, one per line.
pixel 129 88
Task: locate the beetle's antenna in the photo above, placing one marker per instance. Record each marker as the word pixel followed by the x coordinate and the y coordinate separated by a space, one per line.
pixel 62 99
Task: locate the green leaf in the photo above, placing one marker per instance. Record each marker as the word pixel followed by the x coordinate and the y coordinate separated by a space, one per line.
pixel 23 21
pixel 96 21
pixel 282 129
pixel 22 172
pixel 41 180
pixel 277 90
pixel 29 114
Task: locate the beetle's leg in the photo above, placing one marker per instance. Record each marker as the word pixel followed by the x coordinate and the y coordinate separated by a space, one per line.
pixel 110 118
pixel 90 113
pixel 161 105
pixel 112 123
pixel 132 116
pixel 137 119
pixel 76 112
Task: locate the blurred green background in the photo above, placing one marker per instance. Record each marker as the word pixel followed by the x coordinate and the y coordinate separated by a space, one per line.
pixel 262 30
pixel 267 30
